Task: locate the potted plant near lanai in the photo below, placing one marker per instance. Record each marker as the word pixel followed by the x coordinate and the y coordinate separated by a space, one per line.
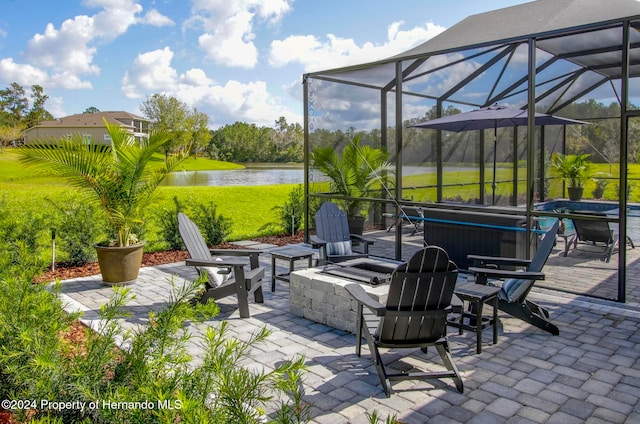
pixel 575 170
pixel 354 174
pixel 120 178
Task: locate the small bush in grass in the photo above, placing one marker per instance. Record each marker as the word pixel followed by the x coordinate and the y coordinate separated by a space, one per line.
pixel 20 242
pixel 214 228
pixel 167 221
pixel 78 227
pixel 292 211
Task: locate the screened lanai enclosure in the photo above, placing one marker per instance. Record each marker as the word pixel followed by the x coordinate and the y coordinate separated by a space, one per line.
pixel 576 59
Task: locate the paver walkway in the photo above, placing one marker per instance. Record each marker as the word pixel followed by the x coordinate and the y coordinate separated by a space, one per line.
pixel 589 373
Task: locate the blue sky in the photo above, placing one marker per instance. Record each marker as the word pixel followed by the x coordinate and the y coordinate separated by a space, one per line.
pixel 236 60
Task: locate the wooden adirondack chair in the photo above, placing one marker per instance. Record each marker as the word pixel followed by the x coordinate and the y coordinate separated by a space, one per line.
pixel 241 282
pixel 415 314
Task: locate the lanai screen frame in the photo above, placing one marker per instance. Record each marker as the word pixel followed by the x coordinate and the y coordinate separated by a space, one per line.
pixel 627 68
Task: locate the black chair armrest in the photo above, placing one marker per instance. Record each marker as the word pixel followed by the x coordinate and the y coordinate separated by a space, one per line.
pixel 484 273
pixel 235 252
pixel 483 261
pixel 361 239
pixel 252 254
pixel 317 241
pixel 365 242
pixel 214 262
pixel 360 295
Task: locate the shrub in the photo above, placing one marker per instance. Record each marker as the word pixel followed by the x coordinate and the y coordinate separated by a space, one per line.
pixel 214 228
pixel 20 246
pixel 167 219
pixel 153 363
pixel 78 226
pixel 292 211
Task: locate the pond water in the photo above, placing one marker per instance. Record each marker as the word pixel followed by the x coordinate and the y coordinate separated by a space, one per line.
pixel 258 175
pixel 236 177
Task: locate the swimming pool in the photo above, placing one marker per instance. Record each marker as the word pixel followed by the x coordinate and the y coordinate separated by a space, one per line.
pixel 611 209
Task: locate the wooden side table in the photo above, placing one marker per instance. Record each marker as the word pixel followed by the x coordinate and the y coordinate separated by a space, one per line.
pixel 477 295
pixel 291 254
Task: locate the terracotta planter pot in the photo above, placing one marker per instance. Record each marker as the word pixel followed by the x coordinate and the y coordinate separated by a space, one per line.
pixel 119 265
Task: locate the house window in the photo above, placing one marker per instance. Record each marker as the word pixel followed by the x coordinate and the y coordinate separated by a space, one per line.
pixel 107 137
pixel 86 138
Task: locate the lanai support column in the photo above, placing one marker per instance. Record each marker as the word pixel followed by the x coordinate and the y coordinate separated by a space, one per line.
pixel 531 111
pixel 398 156
pixel 624 119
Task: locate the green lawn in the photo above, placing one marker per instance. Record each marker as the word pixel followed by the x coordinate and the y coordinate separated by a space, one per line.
pixel 249 208
pixel 204 164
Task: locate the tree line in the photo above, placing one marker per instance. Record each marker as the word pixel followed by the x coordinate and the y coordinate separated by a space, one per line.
pixel 244 142
pixel 238 142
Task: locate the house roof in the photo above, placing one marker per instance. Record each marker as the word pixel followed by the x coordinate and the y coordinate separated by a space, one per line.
pixel 94 119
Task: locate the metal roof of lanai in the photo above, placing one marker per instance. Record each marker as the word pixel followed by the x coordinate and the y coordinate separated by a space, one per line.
pixel 585 35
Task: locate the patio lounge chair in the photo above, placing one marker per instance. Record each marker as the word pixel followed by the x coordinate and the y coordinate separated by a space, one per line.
pixel 512 297
pixel 597 233
pixel 332 237
pixel 232 277
pixel 409 215
pixel 415 314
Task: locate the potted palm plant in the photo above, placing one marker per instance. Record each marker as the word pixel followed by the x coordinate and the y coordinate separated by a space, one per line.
pixel 354 174
pixel 600 186
pixel 120 179
pixel 575 170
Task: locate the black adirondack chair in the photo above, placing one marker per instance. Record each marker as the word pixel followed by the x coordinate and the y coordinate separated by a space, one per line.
pixel 241 281
pixel 415 314
pixel 332 237
pixel 512 297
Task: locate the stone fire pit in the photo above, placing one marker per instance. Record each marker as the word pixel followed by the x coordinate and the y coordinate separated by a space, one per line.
pixel 322 298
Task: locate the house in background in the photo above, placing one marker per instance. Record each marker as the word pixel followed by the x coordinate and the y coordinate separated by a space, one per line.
pixel 89 125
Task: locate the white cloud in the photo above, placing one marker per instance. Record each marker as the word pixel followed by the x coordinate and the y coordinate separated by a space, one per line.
pixel 155 18
pixel 116 17
pixel 228 26
pixel 24 75
pixel 315 54
pixel 63 57
pixel 54 106
pixel 152 72
pixel 65 48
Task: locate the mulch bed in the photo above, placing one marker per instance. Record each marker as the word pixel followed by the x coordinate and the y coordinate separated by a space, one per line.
pixel 156 258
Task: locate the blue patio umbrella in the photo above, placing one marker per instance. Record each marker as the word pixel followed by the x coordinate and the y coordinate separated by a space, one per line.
pixel 495 116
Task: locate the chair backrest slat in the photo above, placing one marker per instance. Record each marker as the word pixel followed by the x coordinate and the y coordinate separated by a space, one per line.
pixel 193 240
pixel 331 223
pixel 419 293
pixel 544 249
pixel 517 289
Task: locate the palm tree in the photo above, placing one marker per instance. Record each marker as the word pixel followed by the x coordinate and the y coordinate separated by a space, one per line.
pixel 354 174
pixel 120 179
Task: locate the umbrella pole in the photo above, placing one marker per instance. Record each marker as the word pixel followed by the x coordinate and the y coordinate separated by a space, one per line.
pixel 495 149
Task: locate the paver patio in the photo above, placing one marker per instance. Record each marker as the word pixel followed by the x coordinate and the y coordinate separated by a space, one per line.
pixel 589 373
